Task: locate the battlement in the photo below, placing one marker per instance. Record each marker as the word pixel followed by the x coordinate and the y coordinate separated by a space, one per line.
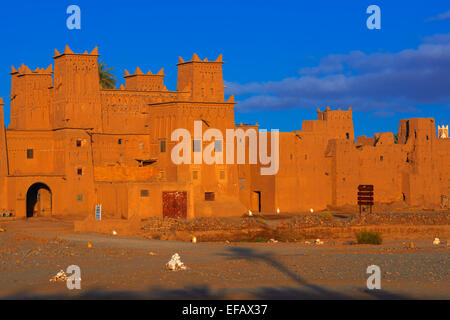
pixel 339 114
pixel 25 70
pixel 202 78
pixel 195 58
pixel 145 82
pixel 68 51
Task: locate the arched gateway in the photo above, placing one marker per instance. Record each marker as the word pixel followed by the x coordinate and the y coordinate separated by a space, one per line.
pixel 39 200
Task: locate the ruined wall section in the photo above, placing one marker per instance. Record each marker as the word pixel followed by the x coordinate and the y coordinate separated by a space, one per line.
pixel 3 159
pixel 380 164
pixel 335 124
pixel 419 136
pixel 308 163
pixel 411 171
pixel 443 165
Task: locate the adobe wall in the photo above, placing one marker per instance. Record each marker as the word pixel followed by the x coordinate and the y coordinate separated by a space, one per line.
pixel 17 188
pixel 3 161
pixel 90 145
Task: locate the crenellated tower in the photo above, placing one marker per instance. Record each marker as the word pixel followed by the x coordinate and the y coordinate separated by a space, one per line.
pixel 338 124
pixel 30 98
pixel 145 82
pixel 203 79
pixel 77 102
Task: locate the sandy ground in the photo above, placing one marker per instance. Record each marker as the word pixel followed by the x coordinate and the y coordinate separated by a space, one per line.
pixel 32 251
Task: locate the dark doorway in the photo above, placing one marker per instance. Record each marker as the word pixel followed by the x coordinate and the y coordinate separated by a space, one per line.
pixel 39 200
pixel 175 204
pixel 256 201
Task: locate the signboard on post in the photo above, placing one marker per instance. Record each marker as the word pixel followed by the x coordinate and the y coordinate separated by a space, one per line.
pixel 98 212
pixel 365 196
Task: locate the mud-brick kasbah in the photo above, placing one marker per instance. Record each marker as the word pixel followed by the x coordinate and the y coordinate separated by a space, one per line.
pixel 71 145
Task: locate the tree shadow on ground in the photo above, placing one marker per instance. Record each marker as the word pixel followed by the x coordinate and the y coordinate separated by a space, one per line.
pixel 305 290
pixel 302 291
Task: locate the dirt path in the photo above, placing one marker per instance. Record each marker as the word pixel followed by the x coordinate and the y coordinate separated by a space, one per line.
pixel 31 252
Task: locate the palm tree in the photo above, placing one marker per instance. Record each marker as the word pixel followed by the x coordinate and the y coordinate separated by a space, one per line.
pixel 107 79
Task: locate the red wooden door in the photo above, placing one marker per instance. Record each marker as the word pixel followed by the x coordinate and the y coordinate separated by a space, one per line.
pixel 175 204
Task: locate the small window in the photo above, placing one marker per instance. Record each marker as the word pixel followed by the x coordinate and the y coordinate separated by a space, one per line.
pixel 80 171
pixel 222 174
pixel 381 158
pixel 78 143
pixel 209 196
pixel 30 153
pixel 347 135
pixel 195 175
pixel 119 141
pixel 162 175
pixel 218 145
pixel 144 193
pixel 162 145
pixel 80 197
pixel 197 146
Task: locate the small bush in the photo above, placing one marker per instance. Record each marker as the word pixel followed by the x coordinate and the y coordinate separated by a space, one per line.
pixel 326 215
pixel 366 237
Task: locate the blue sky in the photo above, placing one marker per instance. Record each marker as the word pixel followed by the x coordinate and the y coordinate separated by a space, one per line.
pixel 284 59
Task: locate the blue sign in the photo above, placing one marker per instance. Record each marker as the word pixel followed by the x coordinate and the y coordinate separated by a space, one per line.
pixel 98 212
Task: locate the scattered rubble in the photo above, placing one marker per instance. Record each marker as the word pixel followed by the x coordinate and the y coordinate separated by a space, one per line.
pixel 247 228
pixel 318 241
pixel 2 230
pixel 272 241
pixel 89 245
pixel 175 263
pixel 61 276
pixel 436 241
pixel 194 239
pixel 114 232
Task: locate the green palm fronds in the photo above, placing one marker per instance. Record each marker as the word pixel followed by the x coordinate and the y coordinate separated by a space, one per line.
pixel 107 79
